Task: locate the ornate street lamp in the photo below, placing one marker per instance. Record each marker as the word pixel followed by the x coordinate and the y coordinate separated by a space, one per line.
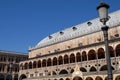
pixel 103 15
pixel 103 12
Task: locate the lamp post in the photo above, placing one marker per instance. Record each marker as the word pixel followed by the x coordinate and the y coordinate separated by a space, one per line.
pixel 103 15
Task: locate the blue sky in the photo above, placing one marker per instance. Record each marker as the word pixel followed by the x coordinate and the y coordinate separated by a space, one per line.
pixel 24 23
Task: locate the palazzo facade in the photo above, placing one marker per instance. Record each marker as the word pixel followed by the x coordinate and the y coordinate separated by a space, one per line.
pixel 75 53
pixel 9 64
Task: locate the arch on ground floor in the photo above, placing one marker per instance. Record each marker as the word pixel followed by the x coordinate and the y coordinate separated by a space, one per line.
pixel 67 79
pixel 106 78
pixel 23 76
pixel 2 77
pixel 89 78
pixel 118 77
pixel 98 78
pixel 77 78
pixel 61 79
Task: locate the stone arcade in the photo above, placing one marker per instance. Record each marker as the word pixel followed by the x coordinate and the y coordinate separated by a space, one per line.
pixel 76 53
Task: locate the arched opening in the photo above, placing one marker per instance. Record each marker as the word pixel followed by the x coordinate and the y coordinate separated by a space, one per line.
pixel 43 63
pixel 1 77
pixel 39 64
pixel 54 61
pixel 60 60
pixel 101 53
pixel 30 65
pixel 61 79
pixel 72 58
pixel 34 64
pixel 89 78
pixel 118 77
pixel 66 59
pixel 67 79
pixel 84 56
pixel 23 76
pixel 78 57
pixel 111 51
pixel 49 62
pixel 83 69
pixel 117 49
pixel 63 72
pixel 77 78
pixel 26 66
pixel 54 73
pixel 91 55
pixel 9 77
pixel 93 69
pixel 72 70
pixel 21 66
pixel 104 68
pixel 98 78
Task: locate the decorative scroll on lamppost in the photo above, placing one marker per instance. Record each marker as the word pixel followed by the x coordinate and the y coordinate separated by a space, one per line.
pixel 103 15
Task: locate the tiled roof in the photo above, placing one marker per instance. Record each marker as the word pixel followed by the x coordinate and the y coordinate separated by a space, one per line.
pixel 12 52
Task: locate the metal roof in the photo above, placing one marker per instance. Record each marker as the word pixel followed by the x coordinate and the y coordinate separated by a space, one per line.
pixel 79 30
